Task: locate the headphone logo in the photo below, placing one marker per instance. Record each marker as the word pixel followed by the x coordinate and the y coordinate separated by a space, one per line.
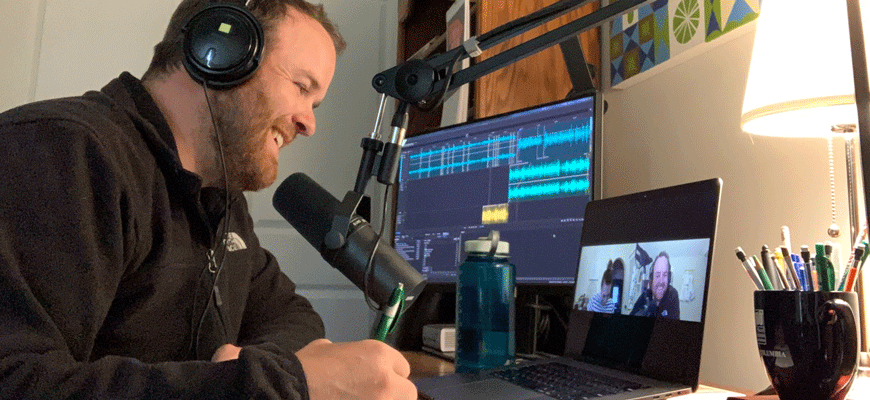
pixel 222 46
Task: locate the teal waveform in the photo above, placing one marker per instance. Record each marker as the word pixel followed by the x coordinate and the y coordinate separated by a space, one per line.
pixel 460 164
pixel 549 170
pixel 572 135
pixel 549 189
pixel 463 146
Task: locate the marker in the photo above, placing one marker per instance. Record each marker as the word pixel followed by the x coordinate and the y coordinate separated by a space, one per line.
pixel 765 280
pixel 823 268
pixel 747 265
pixel 389 315
pixel 808 267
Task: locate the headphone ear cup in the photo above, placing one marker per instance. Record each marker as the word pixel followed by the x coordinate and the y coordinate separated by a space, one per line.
pixel 222 46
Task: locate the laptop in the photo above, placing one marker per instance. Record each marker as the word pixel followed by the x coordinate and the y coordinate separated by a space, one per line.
pixel 645 339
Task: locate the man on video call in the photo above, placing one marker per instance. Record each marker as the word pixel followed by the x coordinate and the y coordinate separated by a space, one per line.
pixel 129 267
pixel 660 299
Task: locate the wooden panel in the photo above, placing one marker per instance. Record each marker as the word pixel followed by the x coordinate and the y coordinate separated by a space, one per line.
pixel 540 78
pixel 420 21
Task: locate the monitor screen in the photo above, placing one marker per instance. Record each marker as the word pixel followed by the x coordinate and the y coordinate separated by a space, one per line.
pixel 527 174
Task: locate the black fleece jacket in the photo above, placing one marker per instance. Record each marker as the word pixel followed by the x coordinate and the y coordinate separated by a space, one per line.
pixel 106 290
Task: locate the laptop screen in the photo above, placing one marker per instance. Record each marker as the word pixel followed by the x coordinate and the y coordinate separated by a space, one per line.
pixel 642 280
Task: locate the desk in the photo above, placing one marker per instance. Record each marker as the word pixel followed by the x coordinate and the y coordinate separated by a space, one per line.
pixel 425 365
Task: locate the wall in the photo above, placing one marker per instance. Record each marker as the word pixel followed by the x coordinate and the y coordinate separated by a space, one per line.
pixel 677 126
pixel 682 125
pixel 53 48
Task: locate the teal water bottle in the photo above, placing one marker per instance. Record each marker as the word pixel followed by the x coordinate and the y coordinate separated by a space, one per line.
pixel 485 297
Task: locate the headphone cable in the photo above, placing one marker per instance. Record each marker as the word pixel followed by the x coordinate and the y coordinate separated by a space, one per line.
pixel 222 238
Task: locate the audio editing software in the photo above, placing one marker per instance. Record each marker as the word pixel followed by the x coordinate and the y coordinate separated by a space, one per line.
pixel 526 174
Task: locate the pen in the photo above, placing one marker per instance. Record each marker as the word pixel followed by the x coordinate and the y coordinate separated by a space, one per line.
pixel 789 264
pixel 808 266
pixel 747 265
pixel 389 314
pixel 851 282
pixel 852 270
pixel 784 269
pixel 786 237
pixel 772 273
pixel 833 263
pixel 853 261
pixel 799 269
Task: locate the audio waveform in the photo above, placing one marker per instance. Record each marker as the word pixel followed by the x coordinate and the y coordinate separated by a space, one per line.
pixel 550 189
pixel 463 146
pixel 581 133
pixel 495 214
pixel 549 170
pixel 459 164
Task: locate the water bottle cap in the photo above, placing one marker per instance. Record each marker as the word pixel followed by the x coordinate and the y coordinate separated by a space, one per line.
pixel 490 244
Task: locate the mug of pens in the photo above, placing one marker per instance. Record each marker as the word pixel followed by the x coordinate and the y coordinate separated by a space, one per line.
pixel 805 321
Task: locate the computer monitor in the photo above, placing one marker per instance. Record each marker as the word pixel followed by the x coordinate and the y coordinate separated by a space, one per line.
pixel 527 174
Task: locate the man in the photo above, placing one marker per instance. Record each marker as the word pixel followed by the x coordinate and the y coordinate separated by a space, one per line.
pixel 660 299
pixel 603 300
pixel 126 269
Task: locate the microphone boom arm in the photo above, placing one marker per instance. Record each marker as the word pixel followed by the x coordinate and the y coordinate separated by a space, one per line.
pixel 425 83
pixel 419 81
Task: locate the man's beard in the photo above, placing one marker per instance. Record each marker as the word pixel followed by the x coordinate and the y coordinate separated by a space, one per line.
pixel 242 117
pixel 656 291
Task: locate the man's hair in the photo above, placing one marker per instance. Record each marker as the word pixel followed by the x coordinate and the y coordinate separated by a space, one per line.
pixel 169 53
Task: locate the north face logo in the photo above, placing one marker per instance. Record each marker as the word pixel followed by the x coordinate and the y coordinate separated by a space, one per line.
pixel 234 242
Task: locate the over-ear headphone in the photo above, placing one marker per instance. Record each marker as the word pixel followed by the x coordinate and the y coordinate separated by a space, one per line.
pixel 223 44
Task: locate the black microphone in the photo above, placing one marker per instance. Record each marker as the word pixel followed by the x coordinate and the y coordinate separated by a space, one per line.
pixel 311 210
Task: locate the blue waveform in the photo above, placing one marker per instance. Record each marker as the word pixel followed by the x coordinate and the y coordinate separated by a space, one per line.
pixel 459 164
pixel 581 133
pixel 463 146
pixel 547 189
pixel 549 170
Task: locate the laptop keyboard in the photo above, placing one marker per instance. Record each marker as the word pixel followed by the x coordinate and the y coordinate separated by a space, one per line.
pixel 565 382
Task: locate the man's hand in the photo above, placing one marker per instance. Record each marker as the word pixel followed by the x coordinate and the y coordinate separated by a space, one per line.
pixel 366 369
pixel 226 352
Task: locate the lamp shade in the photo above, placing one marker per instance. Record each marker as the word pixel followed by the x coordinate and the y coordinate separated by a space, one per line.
pixel 800 80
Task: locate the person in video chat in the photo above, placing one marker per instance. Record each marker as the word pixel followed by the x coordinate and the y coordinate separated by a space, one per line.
pixel 129 267
pixel 603 301
pixel 660 299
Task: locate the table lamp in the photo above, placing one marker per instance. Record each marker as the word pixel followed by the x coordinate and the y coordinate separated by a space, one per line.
pixel 801 81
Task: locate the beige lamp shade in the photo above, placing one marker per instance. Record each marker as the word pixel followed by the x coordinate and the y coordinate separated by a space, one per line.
pixel 800 79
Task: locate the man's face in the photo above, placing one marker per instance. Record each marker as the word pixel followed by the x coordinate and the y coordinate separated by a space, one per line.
pixel 266 113
pixel 660 278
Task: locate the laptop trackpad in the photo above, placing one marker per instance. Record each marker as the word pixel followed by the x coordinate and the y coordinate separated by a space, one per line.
pixel 484 390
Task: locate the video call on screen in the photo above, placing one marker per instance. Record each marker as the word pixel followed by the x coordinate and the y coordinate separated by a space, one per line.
pixel 526 174
pixel 688 262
